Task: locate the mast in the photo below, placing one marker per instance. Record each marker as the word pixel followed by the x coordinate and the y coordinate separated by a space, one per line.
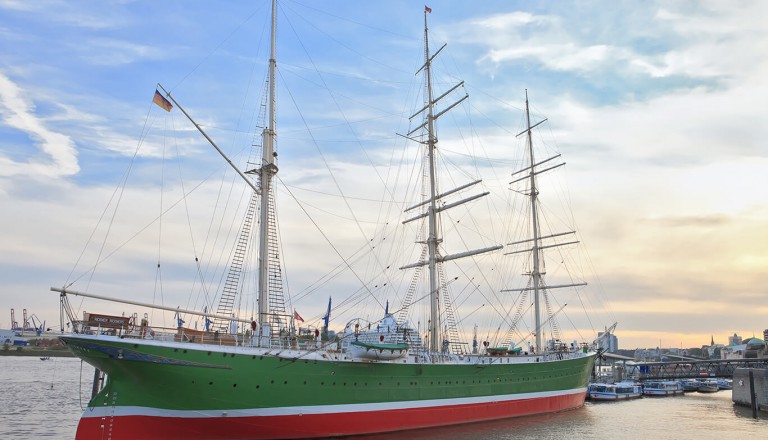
pixel 267 170
pixel 433 208
pixel 434 294
pixel 536 273
pixel 536 238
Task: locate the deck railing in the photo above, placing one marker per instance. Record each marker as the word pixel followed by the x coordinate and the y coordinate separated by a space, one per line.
pixel 193 336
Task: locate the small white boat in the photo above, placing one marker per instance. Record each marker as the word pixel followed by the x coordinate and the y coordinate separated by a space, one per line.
pixel 725 384
pixel 614 391
pixel 690 384
pixel 662 388
pixel 708 386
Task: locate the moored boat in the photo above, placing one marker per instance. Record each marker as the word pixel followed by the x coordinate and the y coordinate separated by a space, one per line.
pixel 725 384
pixel 690 384
pixel 614 391
pixel 274 382
pixel 708 386
pixel 662 388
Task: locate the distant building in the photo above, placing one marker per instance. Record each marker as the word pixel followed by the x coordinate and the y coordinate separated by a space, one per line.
pixel 712 351
pixel 735 339
pixel 752 348
pixel 765 335
pixel 608 342
pixel 648 354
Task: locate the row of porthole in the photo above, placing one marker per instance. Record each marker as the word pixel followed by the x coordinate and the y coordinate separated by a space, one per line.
pixel 380 383
pixel 365 383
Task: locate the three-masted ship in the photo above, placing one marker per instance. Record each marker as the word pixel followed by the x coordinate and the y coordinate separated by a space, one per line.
pixel 270 383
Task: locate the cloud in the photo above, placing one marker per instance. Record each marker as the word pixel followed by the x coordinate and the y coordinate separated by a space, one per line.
pixel 683 46
pixel 111 52
pixel 19 112
pixel 712 220
pixel 69 13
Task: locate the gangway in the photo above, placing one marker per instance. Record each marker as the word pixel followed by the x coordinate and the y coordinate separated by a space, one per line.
pixel 691 369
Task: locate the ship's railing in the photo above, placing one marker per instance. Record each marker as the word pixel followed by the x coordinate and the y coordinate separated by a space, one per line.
pixel 193 336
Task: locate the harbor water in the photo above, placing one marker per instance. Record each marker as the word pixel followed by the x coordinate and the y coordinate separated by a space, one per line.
pixel 42 399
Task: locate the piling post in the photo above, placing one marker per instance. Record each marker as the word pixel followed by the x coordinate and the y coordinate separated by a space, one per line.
pixel 752 395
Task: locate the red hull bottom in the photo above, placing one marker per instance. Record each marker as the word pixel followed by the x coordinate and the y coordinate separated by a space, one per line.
pixel 314 425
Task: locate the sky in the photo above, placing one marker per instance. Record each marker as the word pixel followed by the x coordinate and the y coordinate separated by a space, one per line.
pixel 658 108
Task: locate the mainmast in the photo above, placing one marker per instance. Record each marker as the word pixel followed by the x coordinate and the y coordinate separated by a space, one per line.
pixel 432 207
pixel 434 290
pixel 267 170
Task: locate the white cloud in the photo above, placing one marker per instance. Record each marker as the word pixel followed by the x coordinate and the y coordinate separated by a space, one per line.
pixel 69 13
pixel 111 52
pixel 706 42
pixel 18 112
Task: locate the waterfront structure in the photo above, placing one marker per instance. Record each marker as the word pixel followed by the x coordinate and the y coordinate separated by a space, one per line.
pixel 750 387
pixel 608 342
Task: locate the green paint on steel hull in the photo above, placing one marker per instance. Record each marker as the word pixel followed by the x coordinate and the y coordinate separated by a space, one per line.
pixel 182 377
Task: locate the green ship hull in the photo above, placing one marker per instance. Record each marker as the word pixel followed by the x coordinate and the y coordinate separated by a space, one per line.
pixel 244 392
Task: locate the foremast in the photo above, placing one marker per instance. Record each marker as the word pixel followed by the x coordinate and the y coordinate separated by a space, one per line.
pixel 434 258
pixel 266 172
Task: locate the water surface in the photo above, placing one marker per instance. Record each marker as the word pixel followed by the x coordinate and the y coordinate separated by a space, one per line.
pixel 41 399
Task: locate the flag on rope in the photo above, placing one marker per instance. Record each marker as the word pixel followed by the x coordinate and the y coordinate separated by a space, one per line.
pixel 297 317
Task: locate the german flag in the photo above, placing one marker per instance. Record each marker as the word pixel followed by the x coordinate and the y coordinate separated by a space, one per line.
pixel 162 102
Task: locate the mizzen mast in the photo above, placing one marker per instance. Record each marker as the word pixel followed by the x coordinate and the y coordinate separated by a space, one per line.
pixel 536 240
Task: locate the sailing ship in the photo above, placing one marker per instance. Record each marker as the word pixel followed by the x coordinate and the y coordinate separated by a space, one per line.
pixel 271 382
